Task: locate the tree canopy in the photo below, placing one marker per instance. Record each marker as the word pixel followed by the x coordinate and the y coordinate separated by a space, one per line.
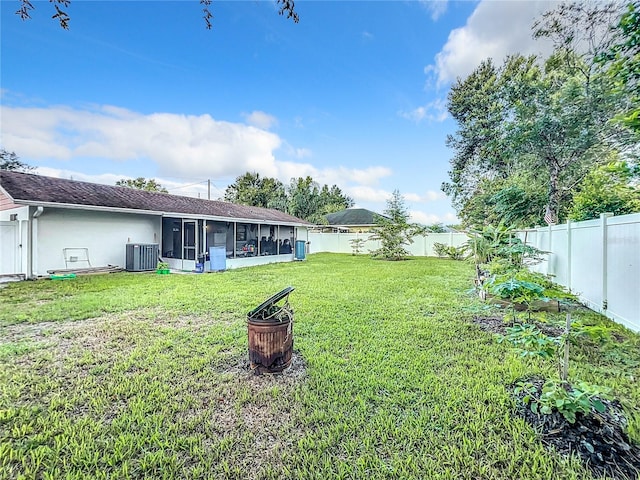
pixel 532 129
pixel 285 8
pixel 11 161
pixel 303 197
pixel 622 61
pixel 607 189
pixel 252 189
pixel 141 183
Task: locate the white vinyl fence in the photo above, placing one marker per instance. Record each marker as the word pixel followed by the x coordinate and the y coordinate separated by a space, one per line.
pixel 598 260
pixel 422 246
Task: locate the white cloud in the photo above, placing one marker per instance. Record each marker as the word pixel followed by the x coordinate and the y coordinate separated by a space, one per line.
pixel 105 178
pixel 429 196
pixel 424 218
pixel 495 29
pixel 182 146
pixel 367 176
pixel 367 36
pixel 437 8
pixel 435 111
pixel 261 119
pixel 341 176
pixel 302 152
pixel 187 144
pixel 188 189
pixel 362 193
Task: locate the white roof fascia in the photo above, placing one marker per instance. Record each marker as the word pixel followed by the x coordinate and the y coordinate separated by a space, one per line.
pixel 196 216
pixel 74 206
pixel 99 208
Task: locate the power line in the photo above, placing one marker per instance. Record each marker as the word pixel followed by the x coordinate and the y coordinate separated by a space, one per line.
pixel 188 185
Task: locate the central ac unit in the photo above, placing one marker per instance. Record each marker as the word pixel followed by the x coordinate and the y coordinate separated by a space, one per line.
pixel 141 257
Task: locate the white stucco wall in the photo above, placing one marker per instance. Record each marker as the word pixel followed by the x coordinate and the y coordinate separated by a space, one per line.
pixel 105 234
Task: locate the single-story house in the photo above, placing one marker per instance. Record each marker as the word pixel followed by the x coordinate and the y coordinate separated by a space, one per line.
pixel 53 223
pixel 350 220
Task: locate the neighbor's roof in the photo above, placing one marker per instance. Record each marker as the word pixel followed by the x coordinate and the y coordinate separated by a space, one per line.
pixel 352 216
pixel 25 188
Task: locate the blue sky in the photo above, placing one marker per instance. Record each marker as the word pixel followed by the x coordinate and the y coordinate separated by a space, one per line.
pixel 353 95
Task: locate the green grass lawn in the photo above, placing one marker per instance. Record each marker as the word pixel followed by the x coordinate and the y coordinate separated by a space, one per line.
pixel 144 376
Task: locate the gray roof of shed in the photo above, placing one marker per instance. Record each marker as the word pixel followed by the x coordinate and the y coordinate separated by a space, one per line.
pixel 352 216
pixel 33 189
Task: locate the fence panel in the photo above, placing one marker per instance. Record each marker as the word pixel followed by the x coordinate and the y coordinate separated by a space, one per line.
pixel 586 262
pixel 598 260
pixel 623 261
pixel 422 246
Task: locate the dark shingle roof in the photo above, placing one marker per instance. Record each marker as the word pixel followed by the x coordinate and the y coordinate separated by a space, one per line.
pixel 40 189
pixel 352 216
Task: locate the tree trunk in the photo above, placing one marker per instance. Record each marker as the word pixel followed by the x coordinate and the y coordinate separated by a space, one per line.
pixel 554 190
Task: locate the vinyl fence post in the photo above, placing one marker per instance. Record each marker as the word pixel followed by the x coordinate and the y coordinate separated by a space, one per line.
pixel 603 228
pixel 569 247
pixel 550 244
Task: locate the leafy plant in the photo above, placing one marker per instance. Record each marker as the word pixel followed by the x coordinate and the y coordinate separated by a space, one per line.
pixel 530 341
pixel 565 399
pixel 454 253
pixel 497 250
pixel 357 245
pixel 163 266
pixel 516 291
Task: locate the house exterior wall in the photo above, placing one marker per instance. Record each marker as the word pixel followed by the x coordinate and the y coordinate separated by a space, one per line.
pixel 104 234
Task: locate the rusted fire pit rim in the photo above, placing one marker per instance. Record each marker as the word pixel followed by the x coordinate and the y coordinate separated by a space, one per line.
pixel 257 314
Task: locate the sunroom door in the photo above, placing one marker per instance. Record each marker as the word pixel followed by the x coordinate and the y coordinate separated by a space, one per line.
pixel 189 244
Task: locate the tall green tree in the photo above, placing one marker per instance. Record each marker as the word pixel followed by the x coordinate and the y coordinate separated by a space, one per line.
pixel 476 103
pixel 394 231
pixel 622 61
pixel 142 183
pixel 11 161
pixel 303 197
pixel 608 188
pixel 561 128
pixel 543 121
pixel 309 201
pixel 252 189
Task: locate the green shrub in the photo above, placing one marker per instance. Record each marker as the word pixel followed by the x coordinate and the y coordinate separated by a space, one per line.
pixel 529 340
pixel 455 253
pixel 568 400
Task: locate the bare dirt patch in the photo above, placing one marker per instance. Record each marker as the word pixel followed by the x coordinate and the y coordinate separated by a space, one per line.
pixel 491 324
pixel 498 326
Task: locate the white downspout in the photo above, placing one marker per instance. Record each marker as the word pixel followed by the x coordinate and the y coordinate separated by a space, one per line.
pixel 32 243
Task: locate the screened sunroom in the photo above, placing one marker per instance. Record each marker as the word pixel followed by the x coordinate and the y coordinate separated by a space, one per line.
pixel 190 241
